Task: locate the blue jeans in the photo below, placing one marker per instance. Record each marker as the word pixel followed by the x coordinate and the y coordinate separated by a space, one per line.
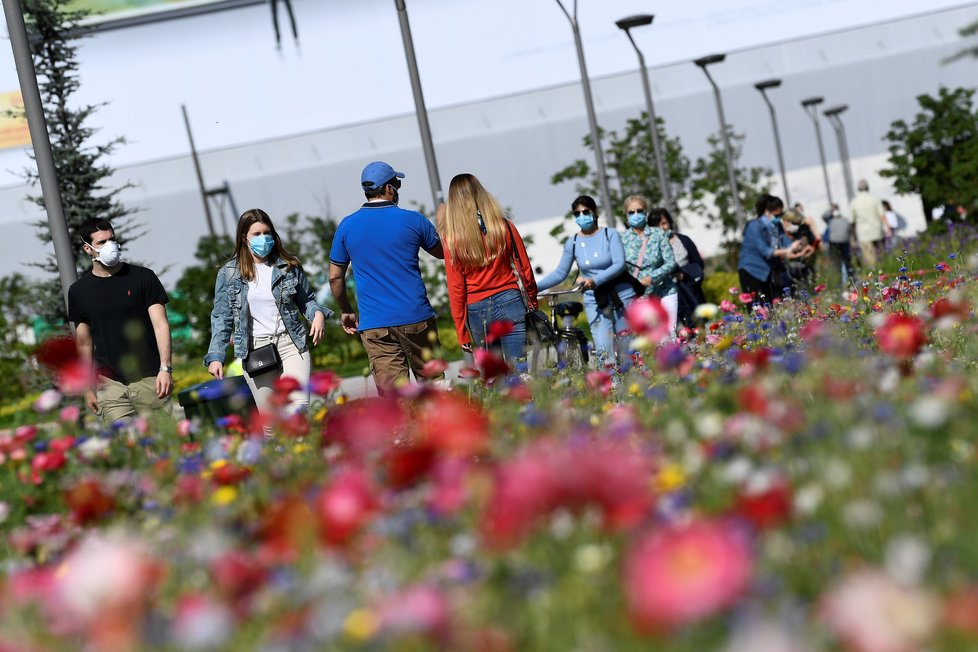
pixel 503 306
pixel 608 345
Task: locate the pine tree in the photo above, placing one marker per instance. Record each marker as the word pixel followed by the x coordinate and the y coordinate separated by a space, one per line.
pixel 54 30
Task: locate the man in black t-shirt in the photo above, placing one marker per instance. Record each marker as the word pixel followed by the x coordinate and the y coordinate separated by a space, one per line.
pixel 121 326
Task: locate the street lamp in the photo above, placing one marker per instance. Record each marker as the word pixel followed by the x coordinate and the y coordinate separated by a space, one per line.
pixel 660 167
pixel 762 87
pixel 703 62
pixel 592 120
pixel 840 134
pixel 419 106
pixel 810 105
pixel 41 144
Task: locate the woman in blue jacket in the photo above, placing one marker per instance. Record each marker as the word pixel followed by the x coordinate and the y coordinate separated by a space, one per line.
pixel 764 244
pixel 258 299
pixel 600 258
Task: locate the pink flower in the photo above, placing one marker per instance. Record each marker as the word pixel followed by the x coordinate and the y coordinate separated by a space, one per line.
pixel 680 575
pixel 69 414
pixel 345 505
pixel 490 364
pixel 727 306
pixel 871 613
pixel 648 318
pixel 322 383
pixel 434 368
pixel 421 609
pixel 598 382
pixel 745 297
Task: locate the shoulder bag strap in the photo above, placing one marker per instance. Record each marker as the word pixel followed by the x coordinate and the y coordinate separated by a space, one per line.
pixel 512 264
pixel 641 253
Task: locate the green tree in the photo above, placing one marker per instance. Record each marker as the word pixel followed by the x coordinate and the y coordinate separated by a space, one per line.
pixel 16 326
pixel 631 166
pixel 78 156
pixel 193 297
pixel 711 185
pixel 969 31
pixel 936 156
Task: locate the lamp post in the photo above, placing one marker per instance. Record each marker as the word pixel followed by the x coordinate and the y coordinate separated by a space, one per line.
pixel 41 144
pixel 840 134
pixel 810 105
pixel 592 120
pixel 762 87
pixel 660 167
pixel 419 106
pixel 703 63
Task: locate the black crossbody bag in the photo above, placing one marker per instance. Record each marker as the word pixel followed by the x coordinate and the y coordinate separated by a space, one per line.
pixel 264 358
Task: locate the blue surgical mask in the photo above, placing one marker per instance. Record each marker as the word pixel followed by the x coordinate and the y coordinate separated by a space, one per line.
pixel 636 220
pixel 586 222
pixel 261 245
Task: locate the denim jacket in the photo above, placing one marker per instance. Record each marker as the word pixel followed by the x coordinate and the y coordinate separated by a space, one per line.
pixel 231 313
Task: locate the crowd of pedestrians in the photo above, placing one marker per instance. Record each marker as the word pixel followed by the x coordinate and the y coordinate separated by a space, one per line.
pixel 262 295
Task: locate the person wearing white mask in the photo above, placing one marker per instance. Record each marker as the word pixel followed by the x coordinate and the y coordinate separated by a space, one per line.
pixel 121 329
pixel 259 297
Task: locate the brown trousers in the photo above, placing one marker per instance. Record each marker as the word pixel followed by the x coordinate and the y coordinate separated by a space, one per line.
pixel 393 350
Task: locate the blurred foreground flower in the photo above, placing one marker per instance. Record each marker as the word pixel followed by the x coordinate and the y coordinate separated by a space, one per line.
pixel 674 576
pixel 648 318
pixel 901 336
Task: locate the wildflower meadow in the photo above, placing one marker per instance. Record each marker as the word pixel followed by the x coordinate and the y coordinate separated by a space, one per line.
pixel 794 478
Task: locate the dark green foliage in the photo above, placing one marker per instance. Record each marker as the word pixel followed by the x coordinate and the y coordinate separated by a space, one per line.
pixel 937 155
pixel 16 327
pixel 82 172
pixel 194 294
pixel 969 31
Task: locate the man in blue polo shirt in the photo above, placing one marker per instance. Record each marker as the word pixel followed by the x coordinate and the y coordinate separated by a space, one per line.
pixel 396 322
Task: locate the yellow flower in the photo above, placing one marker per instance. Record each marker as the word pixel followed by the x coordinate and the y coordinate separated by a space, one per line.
pixel 634 389
pixel 224 496
pixel 361 625
pixel 320 415
pixel 300 448
pixel 670 478
pixel 341 399
pixel 216 464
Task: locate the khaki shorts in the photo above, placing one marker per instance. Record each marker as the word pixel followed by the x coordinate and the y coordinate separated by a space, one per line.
pixel 117 400
pixel 395 349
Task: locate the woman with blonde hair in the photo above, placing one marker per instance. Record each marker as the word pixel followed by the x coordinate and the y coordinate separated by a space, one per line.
pixel 488 272
pixel 258 298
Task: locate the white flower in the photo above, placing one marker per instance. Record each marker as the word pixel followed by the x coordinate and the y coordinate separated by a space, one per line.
pixel 765 636
pixel 861 437
pixel 930 412
pixel 907 558
pixel 737 470
pixel 838 474
pixel 47 401
pixel 705 311
pixel 710 425
pixel 93 447
pixel 592 557
pixel 862 514
pixel 807 499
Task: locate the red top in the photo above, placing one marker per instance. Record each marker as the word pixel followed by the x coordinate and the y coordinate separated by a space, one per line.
pixel 467 286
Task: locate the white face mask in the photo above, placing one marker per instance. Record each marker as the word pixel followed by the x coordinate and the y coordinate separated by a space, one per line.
pixel 110 254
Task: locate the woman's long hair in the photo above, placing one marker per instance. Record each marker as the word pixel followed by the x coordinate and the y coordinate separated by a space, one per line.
pixel 246 263
pixel 461 234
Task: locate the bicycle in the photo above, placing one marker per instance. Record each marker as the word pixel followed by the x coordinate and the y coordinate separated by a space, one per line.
pixel 571 345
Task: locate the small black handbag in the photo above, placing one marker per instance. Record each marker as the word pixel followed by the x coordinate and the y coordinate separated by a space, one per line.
pixel 262 360
pixel 538 326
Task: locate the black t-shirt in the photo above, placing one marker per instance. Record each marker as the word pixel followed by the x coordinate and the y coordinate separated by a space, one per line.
pixel 116 309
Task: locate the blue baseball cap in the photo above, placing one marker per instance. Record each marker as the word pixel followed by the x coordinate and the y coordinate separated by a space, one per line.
pixel 376 174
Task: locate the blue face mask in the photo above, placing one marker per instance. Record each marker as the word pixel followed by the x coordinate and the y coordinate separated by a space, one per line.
pixel 261 245
pixel 636 220
pixel 586 222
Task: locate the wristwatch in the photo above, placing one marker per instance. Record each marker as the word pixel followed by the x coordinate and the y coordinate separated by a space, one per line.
pixel 166 368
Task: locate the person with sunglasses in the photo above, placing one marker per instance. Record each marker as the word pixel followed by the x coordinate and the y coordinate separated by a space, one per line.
pixel 649 257
pixel 600 258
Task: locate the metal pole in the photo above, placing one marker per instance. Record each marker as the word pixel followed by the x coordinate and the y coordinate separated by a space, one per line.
pixel 777 144
pixel 812 111
pixel 200 174
pixel 419 106
pixel 728 150
pixel 840 135
pixel 592 120
pixel 41 143
pixel 660 166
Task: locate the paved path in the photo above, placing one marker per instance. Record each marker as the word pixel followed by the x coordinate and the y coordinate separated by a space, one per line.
pixel 361 386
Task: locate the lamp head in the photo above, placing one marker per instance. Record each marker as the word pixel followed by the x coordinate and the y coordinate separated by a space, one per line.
pixel 836 110
pixel 812 101
pixel 703 62
pixel 634 21
pixel 769 83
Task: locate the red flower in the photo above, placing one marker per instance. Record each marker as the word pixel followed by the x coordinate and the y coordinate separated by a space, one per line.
pixel 286 385
pixel 237 574
pixel 680 575
pixel 322 383
pixel 490 364
pixel 818 289
pixel 406 465
pixel 229 474
pixel 599 382
pixel 901 335
pixel 648 317
pixel 453 425
pixel 767 506
pixel 344 506
pixel 498 330
pixel 366 424
pixel 88 502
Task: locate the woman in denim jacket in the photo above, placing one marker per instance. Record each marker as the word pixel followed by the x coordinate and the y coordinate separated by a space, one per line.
pixel 258 298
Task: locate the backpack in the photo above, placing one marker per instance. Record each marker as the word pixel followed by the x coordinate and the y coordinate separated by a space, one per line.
pixel 838 231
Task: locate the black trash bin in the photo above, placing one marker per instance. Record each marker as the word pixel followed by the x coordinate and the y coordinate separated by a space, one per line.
pixel 217 398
